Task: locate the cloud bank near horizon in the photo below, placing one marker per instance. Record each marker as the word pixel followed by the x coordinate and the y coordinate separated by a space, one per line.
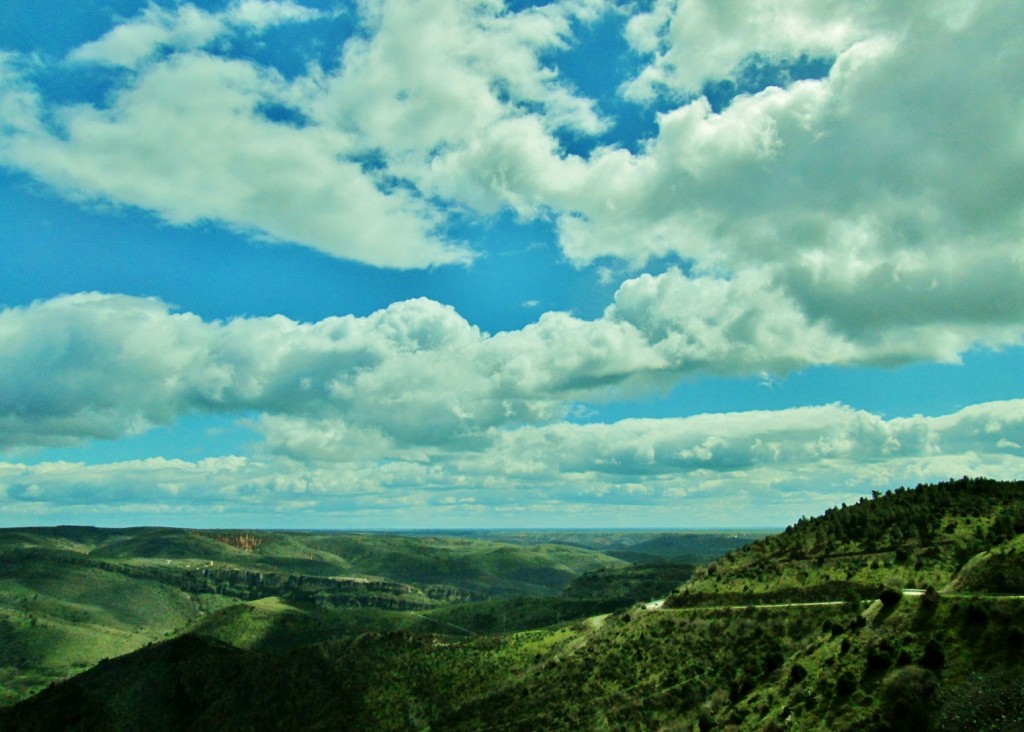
pixel 760 468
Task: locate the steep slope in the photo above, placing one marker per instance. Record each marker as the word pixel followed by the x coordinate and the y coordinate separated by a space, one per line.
pixel 998 571
pixel 61 613
pixel 903 538
pixel 954 667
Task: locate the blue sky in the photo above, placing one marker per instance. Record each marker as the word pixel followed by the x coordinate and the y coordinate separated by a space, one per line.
pixel 270 263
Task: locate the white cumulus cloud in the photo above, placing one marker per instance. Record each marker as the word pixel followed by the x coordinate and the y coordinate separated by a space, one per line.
pixel 415 376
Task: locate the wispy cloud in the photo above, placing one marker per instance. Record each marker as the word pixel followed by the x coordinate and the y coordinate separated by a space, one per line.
pixel 187 27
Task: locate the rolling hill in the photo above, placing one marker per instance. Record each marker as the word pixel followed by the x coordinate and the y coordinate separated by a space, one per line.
pixel 72 596
pixel 903 611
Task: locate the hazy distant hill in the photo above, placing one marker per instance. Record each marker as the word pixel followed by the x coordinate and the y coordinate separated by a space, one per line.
pixel 641 547
pixel 736 647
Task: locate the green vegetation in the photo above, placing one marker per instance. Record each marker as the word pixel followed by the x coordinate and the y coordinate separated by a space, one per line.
pixel 903 538
pixel 637 547
pixel 61 617
pixel 999 571
pixel 641 581
pixel 72 596
pixel 738 646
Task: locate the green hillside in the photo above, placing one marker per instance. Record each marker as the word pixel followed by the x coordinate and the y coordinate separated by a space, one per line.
pixel 903 538
pixel 72 596
pixel 59 617
pixel 638 547
pixel 816 668
pixel 902 612
pixel 487 568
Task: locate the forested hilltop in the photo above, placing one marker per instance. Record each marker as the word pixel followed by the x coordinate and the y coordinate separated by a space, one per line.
pixel 917 538
pixel 903 611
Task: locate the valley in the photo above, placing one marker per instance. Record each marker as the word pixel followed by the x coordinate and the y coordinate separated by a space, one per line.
pixel 902 611
pixel 71 597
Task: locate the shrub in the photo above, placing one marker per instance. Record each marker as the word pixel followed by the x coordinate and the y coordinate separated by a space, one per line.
pixel 906 696
pixel 930 600
pixel 879 658
pixel 797 674
pixel 890 597
pixel 846 683
pixel 933 658
pixel 976 615
pixel 772 661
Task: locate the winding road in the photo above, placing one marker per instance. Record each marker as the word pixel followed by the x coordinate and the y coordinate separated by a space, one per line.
pixel 907 592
